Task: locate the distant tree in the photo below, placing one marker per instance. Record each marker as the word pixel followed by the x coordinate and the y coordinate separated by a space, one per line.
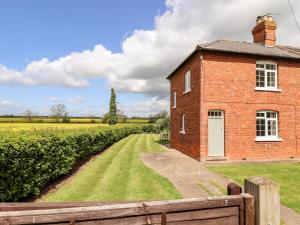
pixel 112 117
pixel 59 111
pixel 161 115
pixel 121 116
pixel 105 118
pixel 163 124
pixel 29 115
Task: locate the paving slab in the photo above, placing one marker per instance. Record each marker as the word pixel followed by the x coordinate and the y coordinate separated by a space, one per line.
pixel 192 179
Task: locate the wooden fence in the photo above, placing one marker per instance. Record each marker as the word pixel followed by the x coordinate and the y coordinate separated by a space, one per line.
pixel 227 210
pixel 260 206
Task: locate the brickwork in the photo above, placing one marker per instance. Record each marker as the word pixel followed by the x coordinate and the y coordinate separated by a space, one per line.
pixel 227 82
pixel 188 104
pixel 264 33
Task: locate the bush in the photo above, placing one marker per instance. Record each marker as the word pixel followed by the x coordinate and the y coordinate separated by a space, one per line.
pixel 150 128
pixel 30 160
pixel 163 124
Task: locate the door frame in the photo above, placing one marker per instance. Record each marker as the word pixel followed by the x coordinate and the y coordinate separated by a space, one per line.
pixel 218 114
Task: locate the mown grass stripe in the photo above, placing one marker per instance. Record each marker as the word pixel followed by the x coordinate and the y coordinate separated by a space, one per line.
pixel 118 174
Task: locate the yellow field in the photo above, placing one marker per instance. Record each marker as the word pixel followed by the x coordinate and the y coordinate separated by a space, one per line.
pixel 72 120
pixel 38 126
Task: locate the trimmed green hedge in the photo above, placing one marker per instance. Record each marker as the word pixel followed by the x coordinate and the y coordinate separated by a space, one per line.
pixel 30 160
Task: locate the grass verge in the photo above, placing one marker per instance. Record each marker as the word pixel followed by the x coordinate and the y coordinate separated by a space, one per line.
pixel 117 175
pixel 286 174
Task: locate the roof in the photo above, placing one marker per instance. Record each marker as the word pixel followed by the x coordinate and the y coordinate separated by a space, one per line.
pixel 278 51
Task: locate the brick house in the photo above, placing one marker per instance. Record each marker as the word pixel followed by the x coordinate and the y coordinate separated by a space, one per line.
pixel 237 100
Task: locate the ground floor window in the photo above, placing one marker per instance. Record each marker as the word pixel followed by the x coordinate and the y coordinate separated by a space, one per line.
pixel 182 130
pixel 267 124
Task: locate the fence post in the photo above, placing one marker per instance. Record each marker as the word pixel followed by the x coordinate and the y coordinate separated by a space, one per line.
pixel 266 200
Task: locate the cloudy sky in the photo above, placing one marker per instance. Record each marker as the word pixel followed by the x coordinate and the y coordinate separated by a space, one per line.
pixel 73 52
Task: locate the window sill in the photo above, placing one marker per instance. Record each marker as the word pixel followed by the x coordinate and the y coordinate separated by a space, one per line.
pixel 174 107
pixel 264 139
pixel 268 89
pixel 186 92
pixel 182 132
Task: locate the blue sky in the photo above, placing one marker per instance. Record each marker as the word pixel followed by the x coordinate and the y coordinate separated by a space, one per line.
pixel 33 29
pixel 73 51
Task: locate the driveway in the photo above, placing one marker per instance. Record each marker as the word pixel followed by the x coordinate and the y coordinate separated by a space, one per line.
pixel 192 179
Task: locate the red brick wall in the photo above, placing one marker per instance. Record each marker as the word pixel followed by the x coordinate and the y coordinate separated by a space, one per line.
pixel 227 82
pixel 264 33
pixel 188 104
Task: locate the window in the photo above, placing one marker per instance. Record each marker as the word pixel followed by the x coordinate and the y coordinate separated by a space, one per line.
pixel 182 131
pixel 174 100
pixel 266 76
pixel 215 113
pixel 187 82
pixel 267 126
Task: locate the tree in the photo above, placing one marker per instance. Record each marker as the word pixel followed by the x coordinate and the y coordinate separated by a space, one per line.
pixel 59 111
pixel 157 116
pixel 112 114
pixel 121 116
pixel 29 115
pixel 105 118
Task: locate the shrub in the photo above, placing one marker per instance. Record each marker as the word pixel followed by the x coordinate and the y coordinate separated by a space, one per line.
pixel 30 160
pixel 163 124
pixel 150 128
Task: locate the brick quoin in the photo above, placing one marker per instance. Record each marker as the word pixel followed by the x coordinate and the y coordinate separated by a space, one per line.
pixel 226 81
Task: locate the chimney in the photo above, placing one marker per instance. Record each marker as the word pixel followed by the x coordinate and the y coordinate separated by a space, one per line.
pixel 264 31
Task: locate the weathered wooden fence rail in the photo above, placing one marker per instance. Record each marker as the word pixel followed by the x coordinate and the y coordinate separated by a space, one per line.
pixel 228 210
pixel 259 206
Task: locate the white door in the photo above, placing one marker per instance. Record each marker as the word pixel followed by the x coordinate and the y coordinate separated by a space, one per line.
pixel 216 133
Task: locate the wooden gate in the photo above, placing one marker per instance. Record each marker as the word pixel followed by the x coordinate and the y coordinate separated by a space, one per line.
pixel 228 210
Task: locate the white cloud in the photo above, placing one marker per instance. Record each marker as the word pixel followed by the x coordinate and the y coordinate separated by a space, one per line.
pixel 77 99
pixel 148 56
pixel 10 107
pixel 8 103
pixel 145 107
pixel 53 99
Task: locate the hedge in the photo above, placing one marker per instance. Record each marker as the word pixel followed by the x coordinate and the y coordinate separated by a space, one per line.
pixel 30 160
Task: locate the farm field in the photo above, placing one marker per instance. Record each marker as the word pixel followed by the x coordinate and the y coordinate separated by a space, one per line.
pixel 118 174
pixel 286 174
pixel 76 123
pixel 72 120
pixel 41 126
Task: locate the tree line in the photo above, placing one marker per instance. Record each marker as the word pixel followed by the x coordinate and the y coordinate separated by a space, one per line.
pixel 113 116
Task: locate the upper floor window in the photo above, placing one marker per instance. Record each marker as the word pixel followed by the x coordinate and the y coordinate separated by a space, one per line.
pixel 266 75
pixel 187 82
pixel 182 130
pixel 267 125
pixel 174 100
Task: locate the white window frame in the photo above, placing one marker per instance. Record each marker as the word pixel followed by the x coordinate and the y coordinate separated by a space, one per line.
pixel 187 82
pixel 266 88
pixel 174 100
pixel 182 130
pixel 267 137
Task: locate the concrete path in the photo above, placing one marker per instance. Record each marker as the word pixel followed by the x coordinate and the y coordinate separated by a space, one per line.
pixel 192 179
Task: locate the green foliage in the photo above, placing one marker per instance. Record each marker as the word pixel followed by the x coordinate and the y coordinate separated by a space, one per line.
pixel 150 129
pixel 157 116
pixel 117 175
pixel 105 118
pixel 113 116
pixel 31 159
pixel 163 124
pixel 66 119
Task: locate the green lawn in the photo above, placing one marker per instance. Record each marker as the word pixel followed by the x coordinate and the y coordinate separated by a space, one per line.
pixel 286 174
pixel 118 174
